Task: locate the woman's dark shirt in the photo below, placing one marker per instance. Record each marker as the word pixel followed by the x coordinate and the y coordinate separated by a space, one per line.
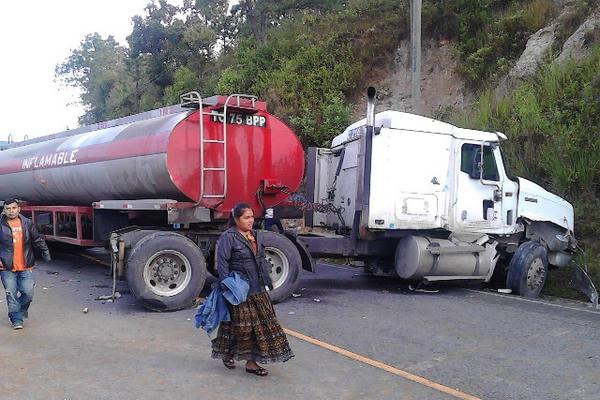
pixel 236 253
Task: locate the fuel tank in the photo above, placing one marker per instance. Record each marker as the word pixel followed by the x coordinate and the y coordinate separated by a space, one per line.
pixel 161 155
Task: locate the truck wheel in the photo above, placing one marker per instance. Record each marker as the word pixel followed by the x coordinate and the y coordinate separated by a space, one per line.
pixel 286 264
pixel 166 271
pixel 528 270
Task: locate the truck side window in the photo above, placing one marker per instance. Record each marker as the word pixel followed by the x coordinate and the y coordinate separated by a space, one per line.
pixel 468 154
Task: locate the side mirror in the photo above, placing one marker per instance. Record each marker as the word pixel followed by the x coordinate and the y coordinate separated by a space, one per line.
pixel 475 172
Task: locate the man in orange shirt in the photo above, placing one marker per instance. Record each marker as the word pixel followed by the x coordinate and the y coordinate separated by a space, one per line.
pixel 18 239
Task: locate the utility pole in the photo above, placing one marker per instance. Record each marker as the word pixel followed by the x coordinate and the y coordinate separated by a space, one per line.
pixel 415 53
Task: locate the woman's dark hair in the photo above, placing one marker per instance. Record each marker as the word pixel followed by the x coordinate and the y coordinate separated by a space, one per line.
pixel 237 212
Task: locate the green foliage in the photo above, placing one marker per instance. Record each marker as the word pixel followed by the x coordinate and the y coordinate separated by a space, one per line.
pixel 303 56
pixel 185 80
pixel 489 34
pixel 307 67
pixel 552 122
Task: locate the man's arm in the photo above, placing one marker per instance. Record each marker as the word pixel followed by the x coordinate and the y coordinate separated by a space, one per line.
pixel 39 243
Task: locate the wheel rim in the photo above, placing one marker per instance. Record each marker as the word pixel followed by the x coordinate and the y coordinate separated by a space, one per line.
pixel 280 266
pixel 167 273
pixel 536 274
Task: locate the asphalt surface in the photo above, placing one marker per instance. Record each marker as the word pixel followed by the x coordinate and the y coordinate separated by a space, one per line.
pixel 488 346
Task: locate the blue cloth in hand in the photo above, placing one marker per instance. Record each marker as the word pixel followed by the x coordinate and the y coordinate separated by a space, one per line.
pixel 214 310
pixel 235 288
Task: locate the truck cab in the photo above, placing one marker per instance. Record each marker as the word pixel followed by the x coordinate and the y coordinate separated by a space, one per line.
pixel 440 200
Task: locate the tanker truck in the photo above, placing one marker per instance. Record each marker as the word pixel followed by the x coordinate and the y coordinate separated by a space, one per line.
pixel 157 189
pixel 402 194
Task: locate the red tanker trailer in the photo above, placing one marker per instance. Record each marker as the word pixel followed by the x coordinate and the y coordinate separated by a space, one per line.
pixel 158 187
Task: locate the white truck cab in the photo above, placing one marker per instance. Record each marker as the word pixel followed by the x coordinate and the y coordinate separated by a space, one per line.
pixel 428 201
pixel 426 174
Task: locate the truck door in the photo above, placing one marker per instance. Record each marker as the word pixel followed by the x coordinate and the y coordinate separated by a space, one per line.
pixel 478 198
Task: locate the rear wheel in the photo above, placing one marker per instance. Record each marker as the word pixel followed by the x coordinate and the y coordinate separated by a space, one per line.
pixel 166 271
pixel 528 270
pixel 286 264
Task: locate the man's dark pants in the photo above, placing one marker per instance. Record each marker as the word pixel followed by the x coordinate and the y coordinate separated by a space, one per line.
pixel 19 293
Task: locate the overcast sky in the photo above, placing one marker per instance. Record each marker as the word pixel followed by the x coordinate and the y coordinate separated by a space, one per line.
pixel 35 36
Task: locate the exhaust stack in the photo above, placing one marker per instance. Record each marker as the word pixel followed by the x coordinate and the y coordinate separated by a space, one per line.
pixel 371 106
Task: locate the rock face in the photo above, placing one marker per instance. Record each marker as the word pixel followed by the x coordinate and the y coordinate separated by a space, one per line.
pixel 578 45
pixel 537 48
pixel 441 86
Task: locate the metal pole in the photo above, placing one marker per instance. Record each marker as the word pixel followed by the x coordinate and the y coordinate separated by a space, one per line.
pixel 415 58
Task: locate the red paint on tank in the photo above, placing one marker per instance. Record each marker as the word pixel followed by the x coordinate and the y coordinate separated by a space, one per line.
pixel 159 158
pixel 254 154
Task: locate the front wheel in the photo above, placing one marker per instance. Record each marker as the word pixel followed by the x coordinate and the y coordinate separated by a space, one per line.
pixel 286 264
pixel 166 271
pixel 528 270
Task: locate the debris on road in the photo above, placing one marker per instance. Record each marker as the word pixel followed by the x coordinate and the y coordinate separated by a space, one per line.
pixel 85 310
pixel 317 300
pixel 296 295
pixel 418 288
pixel 505 291
pixel 292 313
pixel 109 297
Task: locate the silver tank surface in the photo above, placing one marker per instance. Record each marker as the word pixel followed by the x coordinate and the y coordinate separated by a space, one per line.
pixel 414 260
pixel 127 161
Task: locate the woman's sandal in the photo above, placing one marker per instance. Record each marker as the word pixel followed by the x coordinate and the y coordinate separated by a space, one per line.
pixel 260 371
pixel 229 363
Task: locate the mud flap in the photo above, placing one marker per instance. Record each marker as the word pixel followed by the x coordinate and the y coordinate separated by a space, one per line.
pixel 581 282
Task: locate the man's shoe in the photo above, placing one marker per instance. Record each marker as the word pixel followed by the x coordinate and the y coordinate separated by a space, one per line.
pixel 17 325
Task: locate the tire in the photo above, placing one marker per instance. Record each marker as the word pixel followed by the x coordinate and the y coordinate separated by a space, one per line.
pixel 528 270
pixel 286 264
pixel 166 271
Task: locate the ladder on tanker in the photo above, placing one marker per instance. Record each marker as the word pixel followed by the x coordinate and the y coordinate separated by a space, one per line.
pixel 194 100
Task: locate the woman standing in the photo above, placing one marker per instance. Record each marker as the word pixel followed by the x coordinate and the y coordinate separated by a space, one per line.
pixel 253 334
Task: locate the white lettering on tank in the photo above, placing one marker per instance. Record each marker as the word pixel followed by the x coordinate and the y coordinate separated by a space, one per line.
pixel 27 162
pixel 72 158
pixel 50 160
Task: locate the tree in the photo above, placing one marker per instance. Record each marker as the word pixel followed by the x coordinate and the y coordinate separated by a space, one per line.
pixel 259 15
pixel 215 15
pixel 99 68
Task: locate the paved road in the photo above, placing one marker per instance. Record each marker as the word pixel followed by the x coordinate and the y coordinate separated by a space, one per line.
pixel 488 346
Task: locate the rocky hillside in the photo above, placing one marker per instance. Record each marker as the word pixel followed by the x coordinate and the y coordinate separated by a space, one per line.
pixel 569 35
